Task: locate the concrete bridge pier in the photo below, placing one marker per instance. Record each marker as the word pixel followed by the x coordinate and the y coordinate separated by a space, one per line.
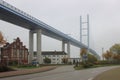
pixel 39 50
pixel 31 46
pixel 68 48
pixel 63 46
pixel 31 41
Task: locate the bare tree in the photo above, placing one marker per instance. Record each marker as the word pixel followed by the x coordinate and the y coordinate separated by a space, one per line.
pixel 2 41
pixel 83 52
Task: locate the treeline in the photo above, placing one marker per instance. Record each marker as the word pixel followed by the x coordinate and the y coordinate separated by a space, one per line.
pixel 113 54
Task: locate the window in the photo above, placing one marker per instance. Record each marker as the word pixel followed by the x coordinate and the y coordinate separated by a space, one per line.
pixel 20 52
pixel 17 44
pixel 14 46
pixel 53 59
pixel 44 56
pixel 20 46
pixel 15 52
pixel 48 55
pixel 53 55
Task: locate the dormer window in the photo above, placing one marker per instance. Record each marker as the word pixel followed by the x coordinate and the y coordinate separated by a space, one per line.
pixel 14 46
pixel 17 44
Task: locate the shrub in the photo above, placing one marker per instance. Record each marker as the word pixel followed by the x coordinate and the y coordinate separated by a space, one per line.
pixel 70 63
pixel 87 65
pixel 13 63
pixel 4 68
pixel 104 62
pixel 47 60
pixel 26 66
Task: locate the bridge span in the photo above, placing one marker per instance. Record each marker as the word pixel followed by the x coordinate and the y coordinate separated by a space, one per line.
pixel 15 16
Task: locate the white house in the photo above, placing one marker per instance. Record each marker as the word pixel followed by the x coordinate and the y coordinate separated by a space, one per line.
pixel 55 56
pixel 74 60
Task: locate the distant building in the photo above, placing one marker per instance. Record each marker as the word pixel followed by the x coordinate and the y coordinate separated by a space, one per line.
pixel 55 56
pixel 14 53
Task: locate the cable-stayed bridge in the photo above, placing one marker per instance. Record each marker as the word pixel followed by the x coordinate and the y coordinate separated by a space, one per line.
pixel 15 16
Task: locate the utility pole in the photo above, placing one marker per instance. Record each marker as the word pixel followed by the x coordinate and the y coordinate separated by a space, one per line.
pixel 102 50
pixel 102 53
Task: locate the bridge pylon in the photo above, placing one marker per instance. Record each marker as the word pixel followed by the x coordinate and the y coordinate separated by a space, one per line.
pixel 84 32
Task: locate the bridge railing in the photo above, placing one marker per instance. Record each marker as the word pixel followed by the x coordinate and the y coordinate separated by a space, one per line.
pixel 16 9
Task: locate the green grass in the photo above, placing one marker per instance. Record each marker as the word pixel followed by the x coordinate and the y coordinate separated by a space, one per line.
pixel 33 66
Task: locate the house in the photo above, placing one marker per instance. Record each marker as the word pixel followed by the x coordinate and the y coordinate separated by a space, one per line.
pixel 74 60
pixel 15 52
pixel 55 56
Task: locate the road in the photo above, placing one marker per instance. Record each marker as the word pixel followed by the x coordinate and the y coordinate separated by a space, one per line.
pixel 63 73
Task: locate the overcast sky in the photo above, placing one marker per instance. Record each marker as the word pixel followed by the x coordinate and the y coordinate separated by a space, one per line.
pixel 64 16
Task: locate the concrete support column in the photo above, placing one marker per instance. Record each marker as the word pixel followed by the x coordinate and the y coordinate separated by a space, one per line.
pixel 39 52
pixel 63 46
pixel 68 49
pixel 30 57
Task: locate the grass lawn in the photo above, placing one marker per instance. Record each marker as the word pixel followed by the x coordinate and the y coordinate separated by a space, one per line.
pixel 33 66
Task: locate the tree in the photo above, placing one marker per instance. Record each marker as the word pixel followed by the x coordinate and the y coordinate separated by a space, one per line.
pixel 92 58
pixel 113 54
pixel 115 57
pixel 115 48
pixel 2 41
pixel 47 60
pixel 108 55
pixel 82 53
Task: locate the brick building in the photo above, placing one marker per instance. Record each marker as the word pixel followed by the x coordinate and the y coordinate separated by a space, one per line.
pixel 14 53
